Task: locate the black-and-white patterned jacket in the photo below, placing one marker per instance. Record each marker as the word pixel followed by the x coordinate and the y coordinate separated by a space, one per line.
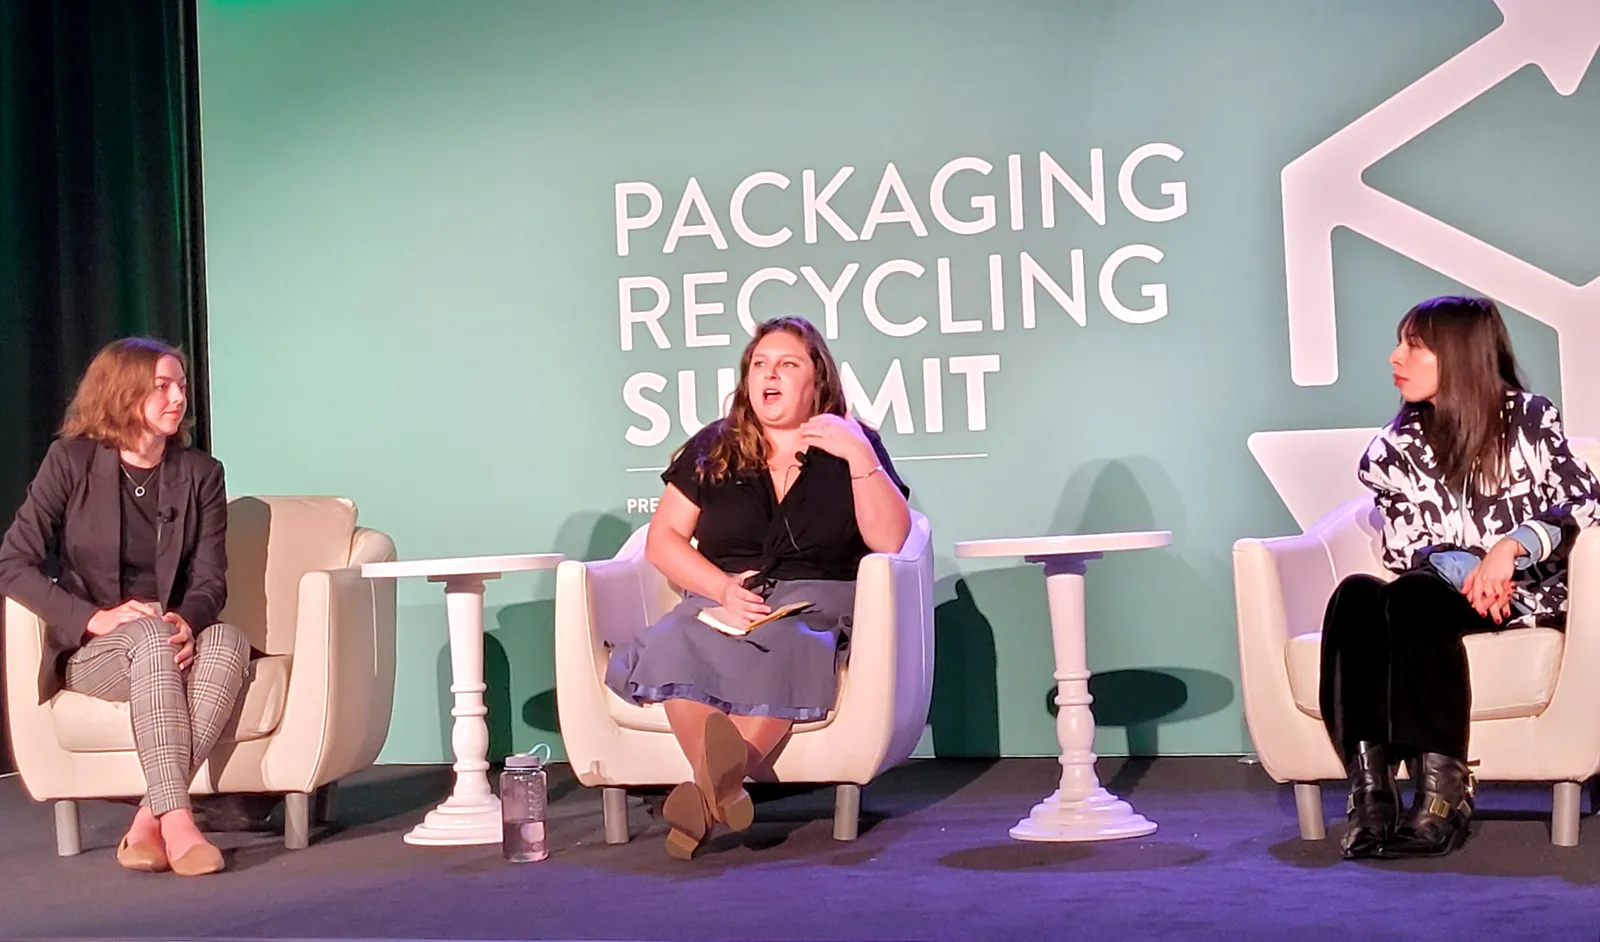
pixel 1546 484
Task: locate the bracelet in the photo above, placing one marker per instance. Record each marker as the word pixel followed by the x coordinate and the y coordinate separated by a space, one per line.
pixel 862 477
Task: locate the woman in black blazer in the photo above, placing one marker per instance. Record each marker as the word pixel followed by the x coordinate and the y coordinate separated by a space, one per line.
pixel 120 548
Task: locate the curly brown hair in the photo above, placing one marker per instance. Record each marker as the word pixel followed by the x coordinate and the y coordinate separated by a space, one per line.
pixel 740 447
pixel 109 403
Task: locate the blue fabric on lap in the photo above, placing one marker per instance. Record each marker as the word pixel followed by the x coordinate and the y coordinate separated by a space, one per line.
pixel 689 692
pixel 1456 565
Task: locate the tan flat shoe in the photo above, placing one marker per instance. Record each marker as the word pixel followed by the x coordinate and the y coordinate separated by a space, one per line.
pixel 141 855
pixel 198 861
pixel 690 821
pixel 721 770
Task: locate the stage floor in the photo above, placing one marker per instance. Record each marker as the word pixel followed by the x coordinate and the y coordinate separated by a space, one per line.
pixel 933 863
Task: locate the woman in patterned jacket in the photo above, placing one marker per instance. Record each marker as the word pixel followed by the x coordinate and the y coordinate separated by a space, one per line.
pixel 1482 500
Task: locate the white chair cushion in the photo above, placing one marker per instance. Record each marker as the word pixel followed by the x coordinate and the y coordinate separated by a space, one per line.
pixel 85 724
pixel 1513 672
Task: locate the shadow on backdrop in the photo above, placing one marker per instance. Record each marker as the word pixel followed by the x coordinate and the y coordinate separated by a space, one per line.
pixel 1130 597
pixel 1140 700
pixel 589 535
pixel 1135 598
pixel 965 712
pixel 528 631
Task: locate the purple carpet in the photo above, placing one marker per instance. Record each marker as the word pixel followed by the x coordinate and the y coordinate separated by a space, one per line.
pixel 933 863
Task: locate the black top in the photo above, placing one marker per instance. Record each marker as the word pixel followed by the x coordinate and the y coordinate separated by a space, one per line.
pixel 139 532
pixel 811 534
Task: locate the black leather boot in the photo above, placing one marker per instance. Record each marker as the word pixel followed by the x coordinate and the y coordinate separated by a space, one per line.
pixel 1438 821
pixel 1374 806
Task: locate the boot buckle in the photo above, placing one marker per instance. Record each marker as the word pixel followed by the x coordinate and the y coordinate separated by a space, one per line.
pixel 1440 808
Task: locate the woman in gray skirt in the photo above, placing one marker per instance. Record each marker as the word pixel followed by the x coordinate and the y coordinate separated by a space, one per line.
pixel 782 498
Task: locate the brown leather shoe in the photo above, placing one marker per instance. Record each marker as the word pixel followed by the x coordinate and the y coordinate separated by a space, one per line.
pixel 198 861
pixel 720 772
pixel 688 817
pixel 141 855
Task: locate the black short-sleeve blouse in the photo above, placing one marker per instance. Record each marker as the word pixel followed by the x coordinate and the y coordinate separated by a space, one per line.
pixel 811 534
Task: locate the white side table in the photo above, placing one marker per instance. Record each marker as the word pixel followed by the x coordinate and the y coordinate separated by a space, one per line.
pixel 1080 809
pixel 471 815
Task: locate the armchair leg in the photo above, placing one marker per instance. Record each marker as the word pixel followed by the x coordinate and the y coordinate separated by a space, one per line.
pixel 69 839
pixel 614 809
pixel 1308 802
pixel 1564 817
pixel 327 803
pixel 846 812
pixel 297 820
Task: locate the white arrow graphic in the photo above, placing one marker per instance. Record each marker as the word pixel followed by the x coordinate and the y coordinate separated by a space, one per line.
pixel 1323 189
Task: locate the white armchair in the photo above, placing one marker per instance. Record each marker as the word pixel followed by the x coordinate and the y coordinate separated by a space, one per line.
pixel 883 698
pixel 315 706
pixel 1535 691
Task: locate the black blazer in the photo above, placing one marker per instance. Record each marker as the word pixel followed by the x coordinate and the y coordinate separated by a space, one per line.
pixel 62 556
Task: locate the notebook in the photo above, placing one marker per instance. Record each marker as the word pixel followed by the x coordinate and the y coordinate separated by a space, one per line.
pixel 718 618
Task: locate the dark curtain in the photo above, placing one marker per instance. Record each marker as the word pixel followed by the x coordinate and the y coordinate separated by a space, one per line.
pixel 99 209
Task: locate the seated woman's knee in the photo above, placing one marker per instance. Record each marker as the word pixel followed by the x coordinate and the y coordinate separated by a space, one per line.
pixel 1361 580
pixel 224 635
pixel 1417 593
pixel 148 633
pixel 1360 585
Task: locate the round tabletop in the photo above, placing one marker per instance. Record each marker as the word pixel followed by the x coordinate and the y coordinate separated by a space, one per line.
pixel 461 566
pixel 1070 544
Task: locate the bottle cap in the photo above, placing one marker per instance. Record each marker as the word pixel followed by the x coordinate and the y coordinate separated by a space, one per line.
pixel 530 759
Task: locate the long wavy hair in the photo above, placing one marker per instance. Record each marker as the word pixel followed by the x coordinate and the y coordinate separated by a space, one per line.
pixel 109 404
pixel 740 447
pixel 1466 423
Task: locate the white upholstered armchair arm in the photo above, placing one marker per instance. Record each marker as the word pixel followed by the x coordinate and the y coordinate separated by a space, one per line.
pixel 609 598
pixel 1281 587
pixel 890 682
pixel 27 682
pixel 30 683
pixel 341 681
pixel 1575 701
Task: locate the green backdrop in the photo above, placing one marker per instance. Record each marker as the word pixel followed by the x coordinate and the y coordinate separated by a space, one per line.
pixel 417 300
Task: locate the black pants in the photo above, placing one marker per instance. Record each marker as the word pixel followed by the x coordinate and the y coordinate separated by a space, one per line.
pixel 1394 671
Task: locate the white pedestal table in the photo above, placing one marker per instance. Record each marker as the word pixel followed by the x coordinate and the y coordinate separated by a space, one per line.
pixel 1080 809
pixel 471 815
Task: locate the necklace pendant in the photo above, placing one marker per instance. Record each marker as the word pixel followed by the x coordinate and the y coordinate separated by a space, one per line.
pixel 138 490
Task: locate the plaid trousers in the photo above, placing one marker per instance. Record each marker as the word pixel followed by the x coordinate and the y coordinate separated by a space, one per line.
pixel 177 715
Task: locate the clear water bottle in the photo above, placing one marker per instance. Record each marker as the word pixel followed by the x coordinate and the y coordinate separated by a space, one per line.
pixel 522 807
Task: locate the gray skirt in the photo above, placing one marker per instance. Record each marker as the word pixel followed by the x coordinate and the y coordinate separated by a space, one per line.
pixel 787 668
